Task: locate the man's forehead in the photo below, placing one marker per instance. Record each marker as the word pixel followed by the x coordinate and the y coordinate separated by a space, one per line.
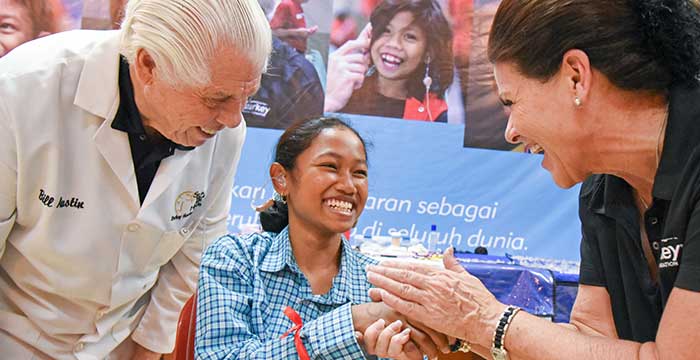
pixel 234 87
pixel 247 85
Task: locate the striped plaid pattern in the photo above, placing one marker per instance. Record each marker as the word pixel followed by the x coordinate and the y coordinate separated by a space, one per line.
pixel 246 282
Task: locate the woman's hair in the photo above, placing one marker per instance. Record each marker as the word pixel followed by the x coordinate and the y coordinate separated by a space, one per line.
pixel 183 35
pixel 294 141
pixel 428 15
pixel 46 15
pixel 637 44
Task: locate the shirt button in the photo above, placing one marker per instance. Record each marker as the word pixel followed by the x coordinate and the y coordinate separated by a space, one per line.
pixel 654 220
pixel 142 137
pixel 133 227
pixel 145 286
pixel 79 347
pixel 421 109
pixel 184 231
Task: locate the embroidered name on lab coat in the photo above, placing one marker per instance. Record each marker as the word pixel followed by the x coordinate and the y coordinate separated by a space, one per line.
pixel 50 201
pixel 186 202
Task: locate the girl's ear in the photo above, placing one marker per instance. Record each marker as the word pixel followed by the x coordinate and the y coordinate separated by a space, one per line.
pixel 278 174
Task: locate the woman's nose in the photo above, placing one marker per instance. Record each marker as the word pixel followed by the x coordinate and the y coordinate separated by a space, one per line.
pixel 511 134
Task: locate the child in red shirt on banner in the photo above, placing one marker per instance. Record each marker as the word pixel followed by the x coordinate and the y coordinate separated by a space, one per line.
pixel 400 65
pixel 289 24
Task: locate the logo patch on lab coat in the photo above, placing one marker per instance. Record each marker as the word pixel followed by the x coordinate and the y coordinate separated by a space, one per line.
pixel 186 202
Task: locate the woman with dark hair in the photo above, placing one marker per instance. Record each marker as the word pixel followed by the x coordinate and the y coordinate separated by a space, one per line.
pixel 300 271
pixel 608 91
pixel 410 49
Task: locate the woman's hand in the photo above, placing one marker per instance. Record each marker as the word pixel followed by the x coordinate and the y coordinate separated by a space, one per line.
pixel 390 341
pixel 449 300
pixel 346 70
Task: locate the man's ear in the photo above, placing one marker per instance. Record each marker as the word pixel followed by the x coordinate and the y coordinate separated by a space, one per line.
pixel 278 174
pixel 144 67
pixel 578 74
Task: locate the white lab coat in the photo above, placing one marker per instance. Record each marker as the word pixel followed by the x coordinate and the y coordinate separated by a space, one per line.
pixel 77 280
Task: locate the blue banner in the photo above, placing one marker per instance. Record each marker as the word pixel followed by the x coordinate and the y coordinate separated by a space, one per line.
pixel 420 174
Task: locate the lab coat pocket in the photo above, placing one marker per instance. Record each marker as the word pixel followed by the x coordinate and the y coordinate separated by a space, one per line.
pixel 167 247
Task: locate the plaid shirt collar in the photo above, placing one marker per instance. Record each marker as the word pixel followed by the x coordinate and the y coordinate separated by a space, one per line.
pixel 351 275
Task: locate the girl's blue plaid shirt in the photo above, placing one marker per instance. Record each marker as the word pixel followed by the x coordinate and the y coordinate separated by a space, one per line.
pixel 245 284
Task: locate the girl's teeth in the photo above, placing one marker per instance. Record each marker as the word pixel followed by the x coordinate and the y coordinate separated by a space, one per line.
pixel 341 205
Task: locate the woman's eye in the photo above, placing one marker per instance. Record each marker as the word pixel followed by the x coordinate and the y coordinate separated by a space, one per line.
pixel 330 166
pixel 361 173
pixel 7 27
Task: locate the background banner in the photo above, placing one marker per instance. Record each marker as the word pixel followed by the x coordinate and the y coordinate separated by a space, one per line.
pixel 421 175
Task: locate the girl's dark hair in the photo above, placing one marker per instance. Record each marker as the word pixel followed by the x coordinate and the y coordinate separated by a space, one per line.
pixel 637 44
pixel 427 15
pixel 294 141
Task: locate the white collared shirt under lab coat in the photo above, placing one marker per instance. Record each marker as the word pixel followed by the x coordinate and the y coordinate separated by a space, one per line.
pixel 83 264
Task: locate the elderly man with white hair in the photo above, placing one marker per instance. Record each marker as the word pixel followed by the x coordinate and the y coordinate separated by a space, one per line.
pixel 118 151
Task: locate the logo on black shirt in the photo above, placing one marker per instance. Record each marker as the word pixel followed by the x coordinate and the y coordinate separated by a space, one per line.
pixel 669 252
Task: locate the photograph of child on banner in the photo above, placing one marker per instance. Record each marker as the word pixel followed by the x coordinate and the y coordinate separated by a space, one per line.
pixel 297 290
pixel 25 20
pixel 399 66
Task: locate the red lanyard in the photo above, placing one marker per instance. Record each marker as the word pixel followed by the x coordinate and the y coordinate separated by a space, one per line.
pixel 296 329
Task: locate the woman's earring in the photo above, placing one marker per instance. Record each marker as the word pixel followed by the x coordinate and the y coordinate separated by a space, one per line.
pixel 427 80
pixel 370 71
pixel 577 101
pixel 279 197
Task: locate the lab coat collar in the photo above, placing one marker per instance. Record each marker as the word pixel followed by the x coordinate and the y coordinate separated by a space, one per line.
pixel 98 93
pixel 98 89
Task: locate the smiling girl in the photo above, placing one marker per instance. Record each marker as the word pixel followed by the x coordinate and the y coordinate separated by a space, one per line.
pixel 301 271
pixel 408 67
